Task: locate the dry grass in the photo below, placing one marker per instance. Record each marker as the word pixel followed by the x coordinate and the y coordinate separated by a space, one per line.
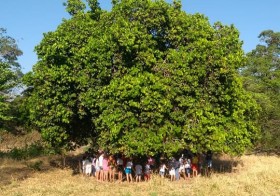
pixel 9 141
pixel 257 175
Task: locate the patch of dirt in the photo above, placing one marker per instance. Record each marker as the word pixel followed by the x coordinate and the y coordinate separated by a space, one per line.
pixel 12 170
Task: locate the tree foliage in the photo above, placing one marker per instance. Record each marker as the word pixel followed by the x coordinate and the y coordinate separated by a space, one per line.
pixel 10 71
pixel 262 78
pixel 144 78
pixel 74 7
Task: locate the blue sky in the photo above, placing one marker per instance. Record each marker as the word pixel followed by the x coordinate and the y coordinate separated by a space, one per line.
pixel 27 20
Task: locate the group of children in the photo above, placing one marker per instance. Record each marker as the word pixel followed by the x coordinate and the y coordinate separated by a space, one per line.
pixel 116 167
pixel 187 167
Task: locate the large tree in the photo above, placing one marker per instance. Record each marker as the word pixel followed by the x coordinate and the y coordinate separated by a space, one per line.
pixel 9 72
pixel 144 78
pixel 262 78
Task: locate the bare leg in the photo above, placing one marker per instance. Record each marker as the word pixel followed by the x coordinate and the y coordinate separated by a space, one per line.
pixel 120 176
pixel 97 174
pixel 101 175
pixel 105 175
pixel 113 175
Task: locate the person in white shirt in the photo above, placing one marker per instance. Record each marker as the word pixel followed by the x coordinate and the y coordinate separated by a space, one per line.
pixel 97 169
pixel 100 161
pixel 162 170
pixel 182 166
pixel 188 168
pixel 84 165
pixel 88 167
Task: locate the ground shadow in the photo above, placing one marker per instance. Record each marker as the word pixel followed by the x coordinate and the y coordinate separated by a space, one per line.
pixel 226 164
pixel 16 170
pixel 221 164
pixel 11 169
pixel 72 162
pixel 10 174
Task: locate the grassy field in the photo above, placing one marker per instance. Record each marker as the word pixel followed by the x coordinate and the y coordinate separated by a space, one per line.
pixel 247 175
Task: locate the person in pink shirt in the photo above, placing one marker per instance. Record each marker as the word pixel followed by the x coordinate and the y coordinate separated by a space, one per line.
pixel 105 168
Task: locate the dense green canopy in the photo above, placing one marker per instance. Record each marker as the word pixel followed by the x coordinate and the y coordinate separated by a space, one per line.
pixel 143 78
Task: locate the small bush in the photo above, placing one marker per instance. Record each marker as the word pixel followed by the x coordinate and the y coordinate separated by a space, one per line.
pixel 2 154
pixel 16 153
pixel 36 166
pixel 30 151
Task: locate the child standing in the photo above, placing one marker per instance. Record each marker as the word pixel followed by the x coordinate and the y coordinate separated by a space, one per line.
pixel 120 168
pixel 105 168
pixel 172 173
pixel 93 166
pixel 188 168
pixel 195 165
pixel 97 170
pixel 100 161
pixel 151 162
pixel 172 165
pixel 208 160
pixel 162 170
pixel 182 166
pixel 128 170
pixel 147 171
pixel 138 172
pixel 86 166
pixel 112 168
